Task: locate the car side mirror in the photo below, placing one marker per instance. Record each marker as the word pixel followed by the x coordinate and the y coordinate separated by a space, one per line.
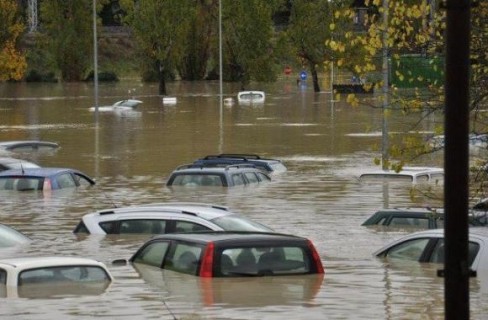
pixel 120 262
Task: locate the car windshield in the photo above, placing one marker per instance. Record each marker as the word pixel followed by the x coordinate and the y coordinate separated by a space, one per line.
pixel 10 237
pixel 237 222
pixel 278 167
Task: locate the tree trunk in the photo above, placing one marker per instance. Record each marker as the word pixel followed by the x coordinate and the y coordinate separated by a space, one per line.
pixel 315 78
pixel 162 83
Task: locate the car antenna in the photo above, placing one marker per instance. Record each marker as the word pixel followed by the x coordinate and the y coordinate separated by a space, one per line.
pixel 109 199
pixel 21 167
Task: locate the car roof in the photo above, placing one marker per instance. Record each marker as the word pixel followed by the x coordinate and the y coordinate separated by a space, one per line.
pixel 50 261
pixel 41 172
pixel 10 145
pixel 196 168
pixel 205 211
pixel 406 171
pixel 222 236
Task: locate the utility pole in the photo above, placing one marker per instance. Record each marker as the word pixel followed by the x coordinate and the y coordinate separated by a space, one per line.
pixel 385 90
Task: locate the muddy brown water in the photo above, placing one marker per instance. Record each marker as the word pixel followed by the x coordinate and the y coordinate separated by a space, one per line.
pixel 324 144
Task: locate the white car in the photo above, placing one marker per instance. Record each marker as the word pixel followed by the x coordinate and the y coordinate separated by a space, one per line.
pixel 41 277
pixel 7 163
pixel 159 218
pixel 428 246
pixel 10 237
pixel 41 270
pixel 410 174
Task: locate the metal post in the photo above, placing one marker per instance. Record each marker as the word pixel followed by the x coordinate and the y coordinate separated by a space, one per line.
pixel 221 122
pixel 95 60
pixel 456 160
pixel 385 89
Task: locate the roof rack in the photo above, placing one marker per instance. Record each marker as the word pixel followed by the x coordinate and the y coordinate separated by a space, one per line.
pixel 242 165
pixel 233 155
pixel 190 204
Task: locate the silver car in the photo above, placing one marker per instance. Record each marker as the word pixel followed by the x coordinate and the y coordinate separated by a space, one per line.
pixel 160 218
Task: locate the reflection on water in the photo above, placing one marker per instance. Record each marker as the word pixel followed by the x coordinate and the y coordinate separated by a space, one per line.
pixel 324 146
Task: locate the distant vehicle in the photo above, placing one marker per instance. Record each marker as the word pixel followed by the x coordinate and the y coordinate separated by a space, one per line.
pixel 231 254
pixel 28 145
pixel 10 237
pixel 228 176
pixel 474 141
pixel 160 218
pixel 418 218
pixel 13 163
pixel 45 179
pixel 127 104
pixel 224 159
pixel 50 276
pixel 428 246
pixel 251 97
pixel 410 174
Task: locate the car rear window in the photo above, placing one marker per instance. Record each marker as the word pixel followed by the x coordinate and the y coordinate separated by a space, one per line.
pixel 21 183
pixel 273 260
pixel 63 274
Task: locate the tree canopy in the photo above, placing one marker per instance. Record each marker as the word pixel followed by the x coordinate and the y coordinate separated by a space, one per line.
pixel 12 60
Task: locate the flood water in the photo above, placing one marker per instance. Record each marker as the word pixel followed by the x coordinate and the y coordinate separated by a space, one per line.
pixel 324 144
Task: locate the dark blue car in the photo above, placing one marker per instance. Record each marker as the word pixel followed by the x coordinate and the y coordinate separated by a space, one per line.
pixel 43 179
pixel 225 159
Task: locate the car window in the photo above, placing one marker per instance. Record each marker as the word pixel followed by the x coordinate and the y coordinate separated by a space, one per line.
pixel 110 227
pixel 65 180
pixel 408 250
pixel 10 237
pixel 263 177
pixel 185 258
pixel 237 179
pixel 150 226
pixel 422 178
pixel 63 274
pixel 3 276
pixel 438 252
pixel 251 177
pixel 152 254
pixel 187 226
pixel 20 184
pixel 210 180
pixel 81 228
pixel 417 222
pixel 264 261
pixel 81 180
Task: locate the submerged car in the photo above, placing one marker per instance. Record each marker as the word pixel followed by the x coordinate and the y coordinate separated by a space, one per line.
pixel 409 174
pixel 43 179
pixel 428 246
pixel 224 159
pixel 28 145
pixel 42 277
pixel 13 163
pixel 10 237
pixel 160 218
pixel 231 254
pixel 419 218
pixel 228 176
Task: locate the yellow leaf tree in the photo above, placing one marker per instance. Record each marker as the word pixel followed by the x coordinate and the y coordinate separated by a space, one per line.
pixel 12 60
